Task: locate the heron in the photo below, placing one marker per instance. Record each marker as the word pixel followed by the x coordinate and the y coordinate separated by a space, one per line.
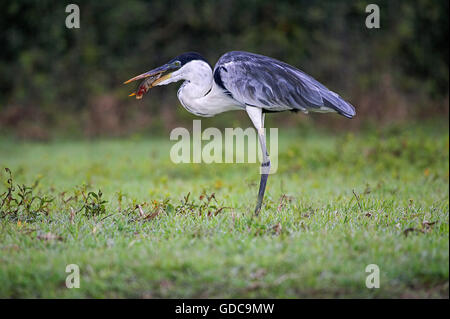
pixel 244 81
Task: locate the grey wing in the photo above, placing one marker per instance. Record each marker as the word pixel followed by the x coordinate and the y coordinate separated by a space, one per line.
pixel 273 85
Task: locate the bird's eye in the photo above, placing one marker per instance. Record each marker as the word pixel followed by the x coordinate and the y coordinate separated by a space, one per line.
pixel 177 63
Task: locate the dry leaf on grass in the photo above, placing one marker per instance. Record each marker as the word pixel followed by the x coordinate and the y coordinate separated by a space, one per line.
pixel 49 237
pixel 141 212
pixel 426 224
pixel 277 229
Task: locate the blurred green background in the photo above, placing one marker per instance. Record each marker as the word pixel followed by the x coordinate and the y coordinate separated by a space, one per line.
pixel 59 82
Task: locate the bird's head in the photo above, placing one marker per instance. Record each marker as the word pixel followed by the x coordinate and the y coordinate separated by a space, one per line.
pixel 175 70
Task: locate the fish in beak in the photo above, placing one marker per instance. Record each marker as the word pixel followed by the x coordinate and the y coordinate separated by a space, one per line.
pixel 152 78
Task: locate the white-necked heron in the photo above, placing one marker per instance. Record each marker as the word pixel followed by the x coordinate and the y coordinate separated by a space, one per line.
pixel 244 81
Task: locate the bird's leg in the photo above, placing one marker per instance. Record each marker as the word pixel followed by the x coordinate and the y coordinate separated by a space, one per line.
pixel 257 118
pixel 265 169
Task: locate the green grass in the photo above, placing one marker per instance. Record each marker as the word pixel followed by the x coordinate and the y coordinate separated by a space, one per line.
pixel 313 238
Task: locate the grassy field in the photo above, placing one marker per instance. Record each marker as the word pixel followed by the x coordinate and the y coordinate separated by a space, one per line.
pixel 140 226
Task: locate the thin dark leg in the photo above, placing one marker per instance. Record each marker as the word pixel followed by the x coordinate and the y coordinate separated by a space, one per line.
pixel 265 169
pixel 262 186
pixel 257 118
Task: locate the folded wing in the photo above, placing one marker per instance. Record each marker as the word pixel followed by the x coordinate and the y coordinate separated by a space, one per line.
pixel 274 85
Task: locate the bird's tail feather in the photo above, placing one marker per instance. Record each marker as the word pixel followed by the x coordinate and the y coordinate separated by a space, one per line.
pixel 335 102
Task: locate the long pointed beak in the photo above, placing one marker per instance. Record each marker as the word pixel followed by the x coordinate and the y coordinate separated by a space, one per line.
pixel 153 72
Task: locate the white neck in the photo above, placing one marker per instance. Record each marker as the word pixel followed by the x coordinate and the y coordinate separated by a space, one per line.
pixel 199 94
pixel 198 79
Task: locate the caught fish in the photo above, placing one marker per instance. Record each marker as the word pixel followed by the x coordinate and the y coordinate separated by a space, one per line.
pixel 145 86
